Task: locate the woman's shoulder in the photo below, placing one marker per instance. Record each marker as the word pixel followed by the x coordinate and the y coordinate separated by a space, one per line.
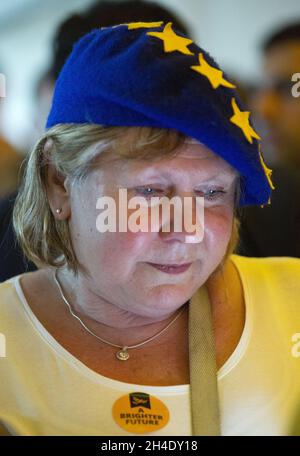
pixel 16 316
pixel 11 291
pixel 275 264
pixel 270 278
pixel 7 287
pixel 283 272
pixel 10 305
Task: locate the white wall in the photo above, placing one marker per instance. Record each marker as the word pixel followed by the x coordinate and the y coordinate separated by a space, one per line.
pixel 230 30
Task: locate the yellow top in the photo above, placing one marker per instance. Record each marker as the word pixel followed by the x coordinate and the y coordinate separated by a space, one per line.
pixel 46 391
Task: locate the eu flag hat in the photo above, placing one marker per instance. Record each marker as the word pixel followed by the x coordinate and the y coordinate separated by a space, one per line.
pixel 149 74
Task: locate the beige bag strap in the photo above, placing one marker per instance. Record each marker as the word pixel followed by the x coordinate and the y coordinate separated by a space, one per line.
pixel 203 369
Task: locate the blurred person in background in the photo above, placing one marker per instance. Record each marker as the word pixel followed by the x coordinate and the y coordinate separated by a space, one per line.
pixel 275 230
pixel 276 102
pixel 10 170
pixel 10 158
pixel 10 161
pixel 100 14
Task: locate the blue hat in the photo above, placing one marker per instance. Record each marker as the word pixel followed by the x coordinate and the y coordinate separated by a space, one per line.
pixel 148 74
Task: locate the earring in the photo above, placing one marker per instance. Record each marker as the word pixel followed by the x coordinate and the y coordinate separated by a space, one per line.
pixel 58 211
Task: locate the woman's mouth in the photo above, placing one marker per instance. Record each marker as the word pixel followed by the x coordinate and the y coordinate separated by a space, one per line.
pixel 171 268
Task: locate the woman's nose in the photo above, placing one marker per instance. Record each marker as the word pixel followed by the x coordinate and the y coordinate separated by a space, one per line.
pixel 183 219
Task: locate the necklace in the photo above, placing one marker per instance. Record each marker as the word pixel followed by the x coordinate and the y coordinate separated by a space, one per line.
pixel 122 354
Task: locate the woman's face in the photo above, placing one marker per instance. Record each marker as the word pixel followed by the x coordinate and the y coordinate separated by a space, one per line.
pixel 118 262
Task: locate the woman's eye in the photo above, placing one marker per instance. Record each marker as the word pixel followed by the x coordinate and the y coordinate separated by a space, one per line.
pixel 149 191
pixel 212 194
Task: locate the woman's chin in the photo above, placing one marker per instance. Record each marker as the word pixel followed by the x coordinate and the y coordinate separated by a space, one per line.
pixel 168 296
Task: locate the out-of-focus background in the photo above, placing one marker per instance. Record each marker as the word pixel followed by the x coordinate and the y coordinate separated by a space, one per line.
pixel 231 30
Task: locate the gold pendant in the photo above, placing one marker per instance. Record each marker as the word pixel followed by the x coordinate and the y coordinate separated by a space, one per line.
pixel 122 355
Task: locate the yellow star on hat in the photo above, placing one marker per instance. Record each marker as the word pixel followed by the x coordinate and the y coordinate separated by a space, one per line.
pixel 136 25
pixel 214 75
pixel 267 171
pixel 241 119
pixel 173 42
pixel 268 203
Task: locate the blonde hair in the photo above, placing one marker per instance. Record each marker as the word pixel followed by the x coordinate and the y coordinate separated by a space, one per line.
pixel 72 150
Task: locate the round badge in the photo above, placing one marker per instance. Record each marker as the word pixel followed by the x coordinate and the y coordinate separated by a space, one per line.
pixel 140 413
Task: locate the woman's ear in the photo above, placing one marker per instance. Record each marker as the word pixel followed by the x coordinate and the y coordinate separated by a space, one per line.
pixel 58 192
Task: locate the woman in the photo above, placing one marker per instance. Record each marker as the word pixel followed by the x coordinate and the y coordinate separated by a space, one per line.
pixel 97 340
